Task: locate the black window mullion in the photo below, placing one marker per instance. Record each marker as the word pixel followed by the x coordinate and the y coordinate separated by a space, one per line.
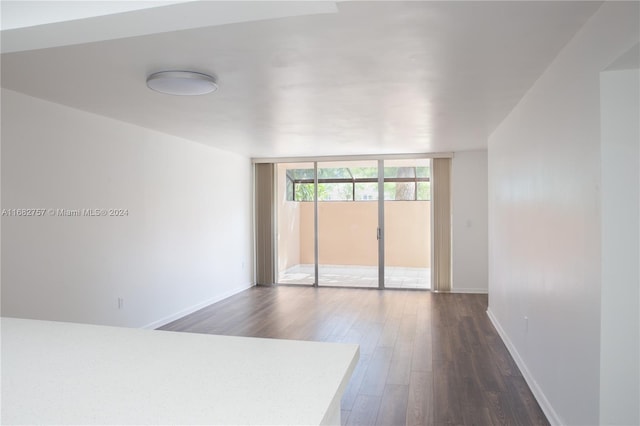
pixel 355 180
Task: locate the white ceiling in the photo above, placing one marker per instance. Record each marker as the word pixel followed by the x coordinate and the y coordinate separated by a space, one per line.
pixel 307 78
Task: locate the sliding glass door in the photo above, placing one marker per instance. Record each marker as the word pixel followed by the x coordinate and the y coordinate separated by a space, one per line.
pixel 295 230
pixel 407 223
pixel 348 224
pixel 354 223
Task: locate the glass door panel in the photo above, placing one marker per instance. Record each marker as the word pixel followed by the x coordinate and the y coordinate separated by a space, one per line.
pixel 295 223
pixel 348 223
pixel 407 222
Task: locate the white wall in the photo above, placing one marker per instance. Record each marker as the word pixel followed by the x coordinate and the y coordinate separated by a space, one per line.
pixel 186 240
pixel 470 261
pixel 544 221
pixel 620 322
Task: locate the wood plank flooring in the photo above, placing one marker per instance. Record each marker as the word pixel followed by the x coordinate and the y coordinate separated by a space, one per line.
pixel 425 358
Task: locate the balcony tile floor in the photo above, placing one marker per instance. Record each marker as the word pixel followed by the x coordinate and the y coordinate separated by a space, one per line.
pixel 357 276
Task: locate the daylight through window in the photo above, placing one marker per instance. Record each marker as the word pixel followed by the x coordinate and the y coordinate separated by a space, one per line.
pixel 359 184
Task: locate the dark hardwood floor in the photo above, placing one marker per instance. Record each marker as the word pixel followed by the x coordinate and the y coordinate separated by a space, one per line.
pixel 425 358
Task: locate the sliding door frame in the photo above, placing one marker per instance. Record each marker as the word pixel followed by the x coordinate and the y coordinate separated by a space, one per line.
pixel 380 231
pixel 316 248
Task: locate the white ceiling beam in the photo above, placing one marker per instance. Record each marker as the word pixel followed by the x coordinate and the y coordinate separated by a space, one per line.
pixel 166 18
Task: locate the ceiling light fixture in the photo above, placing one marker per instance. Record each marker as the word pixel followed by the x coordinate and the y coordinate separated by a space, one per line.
pixel 185 83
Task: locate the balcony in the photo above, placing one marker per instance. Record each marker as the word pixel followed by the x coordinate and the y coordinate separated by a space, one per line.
pixel 347 232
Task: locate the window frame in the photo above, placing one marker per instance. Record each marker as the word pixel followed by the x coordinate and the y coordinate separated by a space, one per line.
pixel 353 181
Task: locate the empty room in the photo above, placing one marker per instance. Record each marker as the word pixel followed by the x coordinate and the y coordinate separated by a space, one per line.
pixel 319 212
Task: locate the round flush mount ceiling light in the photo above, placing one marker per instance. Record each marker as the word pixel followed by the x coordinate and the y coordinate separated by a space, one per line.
pixel 185 83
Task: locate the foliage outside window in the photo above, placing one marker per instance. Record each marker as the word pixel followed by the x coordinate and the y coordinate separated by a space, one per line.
pixel 359 184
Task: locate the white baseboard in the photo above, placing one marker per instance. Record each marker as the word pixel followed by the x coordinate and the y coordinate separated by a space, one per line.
pixel 197 306
pixel 546 406
pixel 470 290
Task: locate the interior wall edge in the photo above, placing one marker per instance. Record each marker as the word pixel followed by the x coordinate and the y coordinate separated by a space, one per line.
pixel 126 123
pixel 543 401
pixel 191 309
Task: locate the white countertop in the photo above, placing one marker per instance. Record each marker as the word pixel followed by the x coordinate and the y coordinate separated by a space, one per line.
pixel 54 372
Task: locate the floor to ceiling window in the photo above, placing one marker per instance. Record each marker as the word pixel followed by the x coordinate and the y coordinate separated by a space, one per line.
pixel 348 223
pixel 407 223
pixel 295 230
pixel 358 224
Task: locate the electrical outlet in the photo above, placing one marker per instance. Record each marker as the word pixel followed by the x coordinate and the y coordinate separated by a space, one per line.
pixel 120 303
